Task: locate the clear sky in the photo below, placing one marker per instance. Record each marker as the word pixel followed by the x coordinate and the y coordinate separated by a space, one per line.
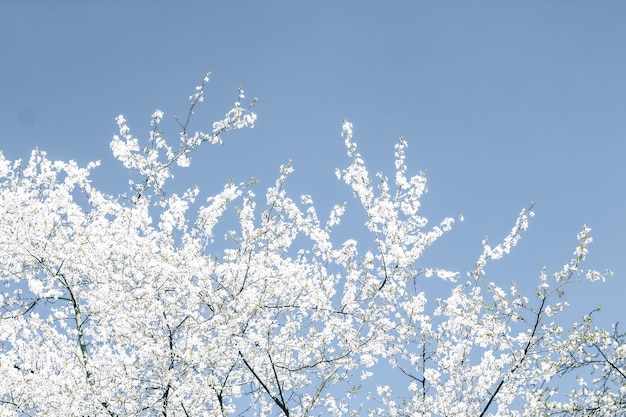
pixel 502 102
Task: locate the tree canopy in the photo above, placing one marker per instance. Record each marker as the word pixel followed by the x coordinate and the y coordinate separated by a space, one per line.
pixel 136 305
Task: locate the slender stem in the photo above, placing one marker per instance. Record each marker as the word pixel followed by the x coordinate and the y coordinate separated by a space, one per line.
pixel 278 401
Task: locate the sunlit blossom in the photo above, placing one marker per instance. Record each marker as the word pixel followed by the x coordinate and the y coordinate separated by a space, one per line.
pixel 128 305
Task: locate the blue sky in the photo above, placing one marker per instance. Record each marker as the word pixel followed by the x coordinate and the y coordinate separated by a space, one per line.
pixel 503 103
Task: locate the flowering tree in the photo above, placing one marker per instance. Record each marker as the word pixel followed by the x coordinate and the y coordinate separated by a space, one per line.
pixel 134 306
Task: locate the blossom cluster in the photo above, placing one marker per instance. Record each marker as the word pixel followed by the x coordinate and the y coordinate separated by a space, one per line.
pixel 141 309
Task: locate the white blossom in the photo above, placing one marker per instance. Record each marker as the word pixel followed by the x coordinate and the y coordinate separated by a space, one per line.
pixel 129 306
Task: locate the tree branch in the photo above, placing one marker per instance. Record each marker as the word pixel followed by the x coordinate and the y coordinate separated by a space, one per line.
pixel 278 402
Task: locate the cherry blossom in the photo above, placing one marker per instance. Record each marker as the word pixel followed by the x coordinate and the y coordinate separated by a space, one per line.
pixel 156 303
